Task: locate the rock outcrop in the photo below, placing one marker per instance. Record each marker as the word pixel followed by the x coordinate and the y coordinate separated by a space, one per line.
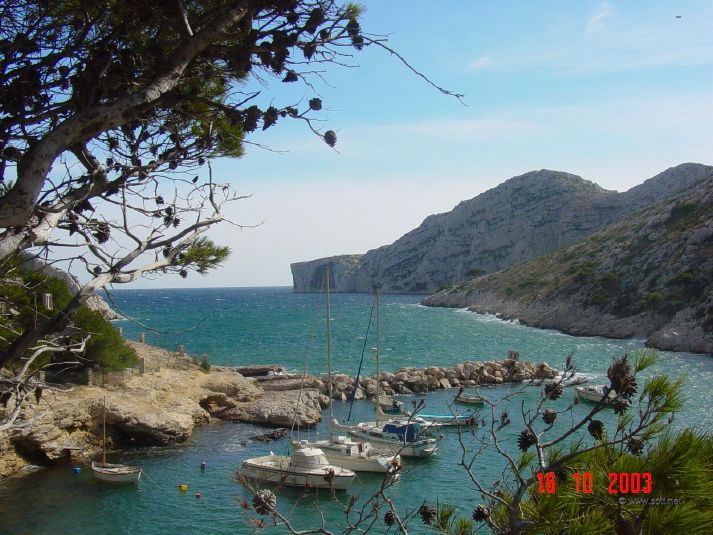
pixel 523 218
pixel 650 276
pixel 343 273
pixel 158 408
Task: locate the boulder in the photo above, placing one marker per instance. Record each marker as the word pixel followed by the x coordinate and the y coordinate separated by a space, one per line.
pixel 280 409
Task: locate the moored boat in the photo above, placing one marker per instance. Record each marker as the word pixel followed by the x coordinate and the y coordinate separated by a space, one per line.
pixel 116 473
pixel 402 437
pixel 306 467
pixel 470 399
pixel 113 473
pixel 448 420
pixel 350 454
pixel 594 393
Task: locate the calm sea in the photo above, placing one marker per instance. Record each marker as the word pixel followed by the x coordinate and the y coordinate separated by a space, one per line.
pixel 237 326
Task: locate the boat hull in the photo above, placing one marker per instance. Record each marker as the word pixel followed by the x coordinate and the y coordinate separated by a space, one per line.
pixel 470 400
pixel 391 445
pixel 445 420
pixel 350 457
pixel 593 396
pixel 276 469
pixel 116 473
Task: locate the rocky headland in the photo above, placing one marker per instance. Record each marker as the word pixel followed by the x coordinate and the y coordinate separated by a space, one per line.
pixel 650 276
pixel 523 218
pixel 173 395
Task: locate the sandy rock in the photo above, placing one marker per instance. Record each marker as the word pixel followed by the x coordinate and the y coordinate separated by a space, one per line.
pixel 279 409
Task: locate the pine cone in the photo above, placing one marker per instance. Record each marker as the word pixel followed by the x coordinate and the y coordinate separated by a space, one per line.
pixel 635 446
pixel 329 475
pixel 428 514
pixel 481 513
pixel 389 518
pixel 622 380
pixel 525 440
pixel 549 416
pixel 553 390
pixel 620 405
pixel 264 502
pixel 330 138
pixel 596 429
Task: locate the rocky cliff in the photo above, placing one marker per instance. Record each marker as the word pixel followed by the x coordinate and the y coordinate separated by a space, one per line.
pixel 523 218
pixel 649 276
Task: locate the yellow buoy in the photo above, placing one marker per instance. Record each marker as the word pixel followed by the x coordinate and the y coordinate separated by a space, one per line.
pixel 183 487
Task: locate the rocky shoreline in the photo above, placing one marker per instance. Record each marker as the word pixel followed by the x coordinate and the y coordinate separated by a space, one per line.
pixel 174 395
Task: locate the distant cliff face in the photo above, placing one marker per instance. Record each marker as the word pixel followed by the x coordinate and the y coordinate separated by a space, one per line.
pixel 309 276
pixel 523 218
pixel 649 276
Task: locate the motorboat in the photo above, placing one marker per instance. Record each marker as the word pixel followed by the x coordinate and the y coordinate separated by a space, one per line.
pixel 447 420
pixel 470 399
pixel 307 467
pixel 594 393
pixel 343 451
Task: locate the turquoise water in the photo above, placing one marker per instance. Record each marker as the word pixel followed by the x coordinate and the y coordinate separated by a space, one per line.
pixel 236 326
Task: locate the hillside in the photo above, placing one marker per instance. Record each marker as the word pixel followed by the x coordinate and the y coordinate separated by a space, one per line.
pixel 525 217
pixel 649 276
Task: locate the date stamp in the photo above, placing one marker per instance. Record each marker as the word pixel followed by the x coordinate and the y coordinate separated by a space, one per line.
pixel 619 482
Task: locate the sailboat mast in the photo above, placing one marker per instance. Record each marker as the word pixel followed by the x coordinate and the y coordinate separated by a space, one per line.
pixel 329 357
pixel 104 432
pixel 377 290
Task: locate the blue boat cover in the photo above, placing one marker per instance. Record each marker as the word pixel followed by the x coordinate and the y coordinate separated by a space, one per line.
pixel 410 431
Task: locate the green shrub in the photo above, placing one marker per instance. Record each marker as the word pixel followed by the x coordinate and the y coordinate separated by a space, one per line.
pixel 105 346
pixel 23 292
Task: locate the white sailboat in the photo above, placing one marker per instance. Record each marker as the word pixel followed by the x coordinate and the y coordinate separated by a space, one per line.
pixel 402 436
pixel 113 473
pixel 342 450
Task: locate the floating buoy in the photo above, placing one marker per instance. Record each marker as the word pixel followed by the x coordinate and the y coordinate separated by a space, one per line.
pixel 76 470
pixel 183 487
pixel 203 466
pixel 198 495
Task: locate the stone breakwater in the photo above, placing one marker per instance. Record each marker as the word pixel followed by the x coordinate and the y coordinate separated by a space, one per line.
pixel 422 380
pixel 174 395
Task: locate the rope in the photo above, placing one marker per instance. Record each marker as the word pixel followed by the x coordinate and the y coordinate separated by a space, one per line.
pixel 145 474
pixel 361 361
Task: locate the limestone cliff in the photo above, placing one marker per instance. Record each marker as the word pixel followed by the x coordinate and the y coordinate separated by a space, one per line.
pixel 309 276
pixel 650 276
pixel 523 218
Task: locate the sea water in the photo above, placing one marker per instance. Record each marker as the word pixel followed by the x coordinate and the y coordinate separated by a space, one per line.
pixel 239 326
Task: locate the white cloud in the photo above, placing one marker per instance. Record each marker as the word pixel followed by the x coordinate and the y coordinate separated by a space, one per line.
pixel 596 21
pixel 479 63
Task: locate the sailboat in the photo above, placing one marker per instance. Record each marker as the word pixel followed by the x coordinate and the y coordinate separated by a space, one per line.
pixel 403 436
pixel 113 473
pixel 342 450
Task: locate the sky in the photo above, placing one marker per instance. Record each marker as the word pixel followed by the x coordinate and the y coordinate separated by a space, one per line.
pixel 615 92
